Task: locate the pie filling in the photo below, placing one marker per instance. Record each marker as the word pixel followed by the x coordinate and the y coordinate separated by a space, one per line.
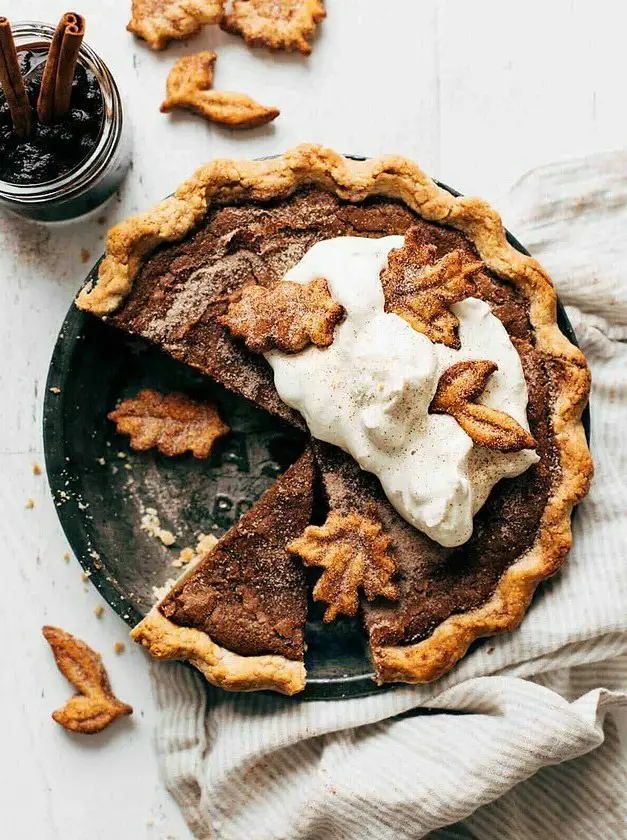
pixel 458 545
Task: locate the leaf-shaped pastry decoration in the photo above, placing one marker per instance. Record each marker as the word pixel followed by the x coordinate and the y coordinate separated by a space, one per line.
pixel 287 317
pixel 160 21
pixel 276 24
pixel 420 288
pixel 355 554
pixel 458 388
pixel 189 86
pixel 95 706
pixel 174 423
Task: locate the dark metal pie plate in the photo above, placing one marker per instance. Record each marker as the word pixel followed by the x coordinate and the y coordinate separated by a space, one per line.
pixel 102 488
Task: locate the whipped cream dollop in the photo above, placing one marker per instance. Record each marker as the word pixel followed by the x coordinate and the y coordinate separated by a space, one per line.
pixel 369 392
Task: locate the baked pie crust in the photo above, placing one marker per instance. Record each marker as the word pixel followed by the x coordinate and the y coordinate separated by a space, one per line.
pixel 393 177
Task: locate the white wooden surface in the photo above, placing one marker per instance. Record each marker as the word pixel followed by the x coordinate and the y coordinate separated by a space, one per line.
pixel 475 92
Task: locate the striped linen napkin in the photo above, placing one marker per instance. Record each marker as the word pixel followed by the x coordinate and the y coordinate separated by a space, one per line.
pixel 525 742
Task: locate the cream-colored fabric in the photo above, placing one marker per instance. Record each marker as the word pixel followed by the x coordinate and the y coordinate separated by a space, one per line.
pixel 542 706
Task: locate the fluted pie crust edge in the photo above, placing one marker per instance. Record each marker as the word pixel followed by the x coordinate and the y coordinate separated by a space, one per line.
pixel 221 667
pixel 393 177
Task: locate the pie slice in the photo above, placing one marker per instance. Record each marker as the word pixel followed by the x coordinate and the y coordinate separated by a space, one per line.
pixel 239 614
pixel 176 274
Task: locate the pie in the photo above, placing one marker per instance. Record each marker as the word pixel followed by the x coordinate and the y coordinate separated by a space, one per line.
pixel 429 570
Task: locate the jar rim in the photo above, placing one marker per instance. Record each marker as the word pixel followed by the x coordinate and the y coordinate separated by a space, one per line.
pixel 88 170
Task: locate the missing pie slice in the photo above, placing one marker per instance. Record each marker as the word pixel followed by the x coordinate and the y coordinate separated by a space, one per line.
pixel 239 614
pixel 426 283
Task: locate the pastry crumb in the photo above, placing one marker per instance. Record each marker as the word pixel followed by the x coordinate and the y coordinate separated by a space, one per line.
pixel 206 542
pixel 30 504
pixel 55 390
pixel 119 647
pixel 36 469
pixel 190 557
pixel 101 461
pixel 166 537
pixel 86 575
pixel 184 558
pixel 151 524
pixel 85 255
pixel 99 611
pixel 159 592
pixel 66 557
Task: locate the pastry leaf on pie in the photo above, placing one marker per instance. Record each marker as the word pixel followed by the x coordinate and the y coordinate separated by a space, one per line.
pixel 160 21
pixel 189 86
pixel 355 554
pixel 276 24
pixel 173 423
pixel 458 388
pixel 421 288
pixel 287 317
pixel 95 706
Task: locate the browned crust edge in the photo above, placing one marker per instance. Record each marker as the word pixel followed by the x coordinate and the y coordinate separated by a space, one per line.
pixel 221 667
pixel 396 177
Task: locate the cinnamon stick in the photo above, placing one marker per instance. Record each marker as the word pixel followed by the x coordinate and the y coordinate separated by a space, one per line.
pixel 56 82
pixel 13 83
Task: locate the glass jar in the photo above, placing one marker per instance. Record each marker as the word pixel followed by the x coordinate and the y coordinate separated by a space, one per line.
pixel 96 177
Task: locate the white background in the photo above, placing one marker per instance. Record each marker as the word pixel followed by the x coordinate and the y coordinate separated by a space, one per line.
pixel 477 93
